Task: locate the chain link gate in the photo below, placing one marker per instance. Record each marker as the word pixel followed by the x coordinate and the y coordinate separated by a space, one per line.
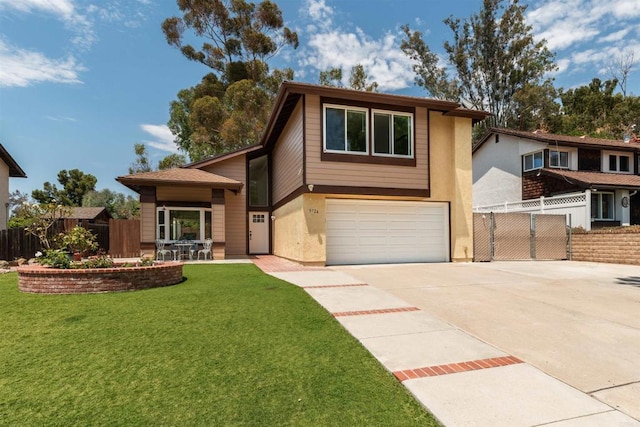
pixel 521 236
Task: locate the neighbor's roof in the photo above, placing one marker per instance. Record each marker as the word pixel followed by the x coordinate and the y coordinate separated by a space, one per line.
pixel 15 171
pixel 86 212
pixel 595 179
pixel 566 140
pixel 179 176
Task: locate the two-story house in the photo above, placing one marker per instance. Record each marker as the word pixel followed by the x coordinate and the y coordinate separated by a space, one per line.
pixel 9 168
pixel 512 166
pixel 339 177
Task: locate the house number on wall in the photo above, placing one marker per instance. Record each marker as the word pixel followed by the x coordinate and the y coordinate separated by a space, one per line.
pixel 313 210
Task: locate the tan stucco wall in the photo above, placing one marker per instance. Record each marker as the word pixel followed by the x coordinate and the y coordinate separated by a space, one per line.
pixel 299 229
pixel 451 178
pixel 4 194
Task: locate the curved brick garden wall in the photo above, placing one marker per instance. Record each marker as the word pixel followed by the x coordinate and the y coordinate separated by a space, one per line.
pixel 43 280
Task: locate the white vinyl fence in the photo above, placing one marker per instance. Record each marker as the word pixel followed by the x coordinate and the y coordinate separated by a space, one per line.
pixel 577 205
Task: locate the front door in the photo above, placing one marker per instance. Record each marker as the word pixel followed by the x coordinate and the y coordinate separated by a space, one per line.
pixel 258 233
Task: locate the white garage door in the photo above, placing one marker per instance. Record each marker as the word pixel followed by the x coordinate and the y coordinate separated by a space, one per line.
pixel 376 231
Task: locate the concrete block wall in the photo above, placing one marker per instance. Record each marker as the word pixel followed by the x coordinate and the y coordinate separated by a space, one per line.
pixel 616 248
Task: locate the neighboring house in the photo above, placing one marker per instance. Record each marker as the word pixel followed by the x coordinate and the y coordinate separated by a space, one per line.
pixel 9 168
pixel 87 215
pixel 594 179
pixel 339 177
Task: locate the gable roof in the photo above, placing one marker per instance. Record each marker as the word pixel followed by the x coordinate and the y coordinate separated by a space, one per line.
pixel 15 171
pixel 86 212
pixel 220 157
pixel 290 93
pixel 601 180
pixel 179 176
pixel 566 140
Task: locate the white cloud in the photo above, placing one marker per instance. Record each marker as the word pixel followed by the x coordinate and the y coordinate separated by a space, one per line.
pixel 616 36
pixel 22 68
pixel 61 118
pixel 163 138
pixel 332 47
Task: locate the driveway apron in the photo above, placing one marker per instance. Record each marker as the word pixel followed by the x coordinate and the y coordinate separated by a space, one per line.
pixel 466 342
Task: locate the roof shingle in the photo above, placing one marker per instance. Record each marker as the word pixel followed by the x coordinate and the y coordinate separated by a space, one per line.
pixel 596 179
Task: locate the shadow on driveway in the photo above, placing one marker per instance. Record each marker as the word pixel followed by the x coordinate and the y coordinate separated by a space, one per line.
pixel 631 281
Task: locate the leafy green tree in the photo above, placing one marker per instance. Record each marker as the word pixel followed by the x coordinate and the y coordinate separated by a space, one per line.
pixel 239 38
pixel 494 56
pixel 118 205
pixel 172 161
pixel 39 218
pixel 75 184
pixel 357 79
pixel 142 162
pixel 18 203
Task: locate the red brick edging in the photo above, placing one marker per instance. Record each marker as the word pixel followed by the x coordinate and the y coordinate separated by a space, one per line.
pixel 43 280
pixel 376 311
pixel 452 368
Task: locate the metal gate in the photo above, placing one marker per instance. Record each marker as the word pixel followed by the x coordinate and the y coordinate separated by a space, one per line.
pixel 521 236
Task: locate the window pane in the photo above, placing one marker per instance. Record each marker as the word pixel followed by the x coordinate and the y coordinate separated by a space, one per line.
pixel 184 225
pixel 554 158
pixel 401 135
pixel 334 129
pixel 207 224
pixel 613 164
pixel 607 206
pixel 528 162
pixel 259 182
pixel 356 131
pixel 624 164
pixel 594 206
pixel 537 160
pixel 564 159
pixel 161 227
pixel 381 133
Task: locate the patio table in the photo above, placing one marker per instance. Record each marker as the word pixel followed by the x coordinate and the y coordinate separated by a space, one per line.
pixel 182 251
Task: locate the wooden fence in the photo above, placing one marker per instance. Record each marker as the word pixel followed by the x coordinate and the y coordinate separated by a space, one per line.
pixel 124 238
pixel 120 238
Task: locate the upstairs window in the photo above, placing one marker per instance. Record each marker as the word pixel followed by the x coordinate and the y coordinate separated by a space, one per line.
pixel 259 182
pixel 533 161
pixel 392 134
pixel 346 129
pixel 558 159
pixel 619 163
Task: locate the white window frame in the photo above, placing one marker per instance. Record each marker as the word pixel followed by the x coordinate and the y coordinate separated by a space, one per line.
pixel 560 165
pixel 607 162
pixel 599 195
pixel 411 135
pixel 167 216
pixel 346 108
pixel 524 161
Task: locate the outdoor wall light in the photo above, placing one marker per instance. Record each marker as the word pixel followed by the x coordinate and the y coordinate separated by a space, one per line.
pixel 310 187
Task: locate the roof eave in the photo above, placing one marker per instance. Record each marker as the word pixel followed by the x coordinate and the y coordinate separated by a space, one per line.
pixel 137 184
pixel 15 171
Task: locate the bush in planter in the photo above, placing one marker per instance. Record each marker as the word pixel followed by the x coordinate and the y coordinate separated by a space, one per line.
pixel 55 258
pixel 79 240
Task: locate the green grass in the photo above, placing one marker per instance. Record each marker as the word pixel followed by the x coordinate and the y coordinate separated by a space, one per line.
pixel 228 346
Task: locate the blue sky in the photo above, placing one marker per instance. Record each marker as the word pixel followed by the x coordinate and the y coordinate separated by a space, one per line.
pixel 82 81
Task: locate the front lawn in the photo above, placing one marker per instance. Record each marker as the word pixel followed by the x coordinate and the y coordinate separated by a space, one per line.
pixel 229 346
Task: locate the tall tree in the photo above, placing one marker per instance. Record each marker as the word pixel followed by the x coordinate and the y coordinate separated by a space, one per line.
pixel 118 205
pixel 75 184
pixel 240 37
pixel 620 67
pixel 172 161
pixel 142 162
pixel 358 79
pixel 494 56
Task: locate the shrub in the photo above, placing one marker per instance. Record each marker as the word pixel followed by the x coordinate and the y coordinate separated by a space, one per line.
pixel 79 240
pixel 101 261
pixel 55 258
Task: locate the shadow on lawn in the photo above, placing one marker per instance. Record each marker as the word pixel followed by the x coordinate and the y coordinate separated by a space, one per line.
pixel 631 281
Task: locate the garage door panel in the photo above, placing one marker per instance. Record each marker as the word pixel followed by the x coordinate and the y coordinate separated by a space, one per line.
pixel 365 231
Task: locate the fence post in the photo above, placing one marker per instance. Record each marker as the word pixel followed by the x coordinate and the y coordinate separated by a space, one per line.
pixel 532 234
pixel 570 238
pixel 541 204
pixel 587 214
pixel 491 238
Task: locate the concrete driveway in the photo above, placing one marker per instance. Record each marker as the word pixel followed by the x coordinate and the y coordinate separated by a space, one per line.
pixel 578 322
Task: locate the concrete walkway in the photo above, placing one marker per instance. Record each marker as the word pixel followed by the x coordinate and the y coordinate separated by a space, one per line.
pixel 460 379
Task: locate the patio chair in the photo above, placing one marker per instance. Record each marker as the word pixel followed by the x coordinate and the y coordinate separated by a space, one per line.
pixel 160 249
pixel 206 249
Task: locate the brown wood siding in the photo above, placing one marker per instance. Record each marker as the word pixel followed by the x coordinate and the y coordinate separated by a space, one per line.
pixel 235 204
pixel 363 174
pixel 183 194
pixel 287 157
pixel 148 222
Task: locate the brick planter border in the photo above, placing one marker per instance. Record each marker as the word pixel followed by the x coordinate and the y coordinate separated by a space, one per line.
pixel 617 248
pixel 45 280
